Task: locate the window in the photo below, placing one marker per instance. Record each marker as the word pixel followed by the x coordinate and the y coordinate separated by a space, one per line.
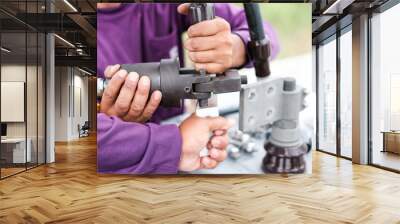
pixel 327 96
pixel 22 79
pixel 14 153
pixel 385 89
pixel 346 93
pixel 394 101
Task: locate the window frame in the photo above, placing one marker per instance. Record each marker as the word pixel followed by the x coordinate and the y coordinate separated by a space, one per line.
pixel 334 37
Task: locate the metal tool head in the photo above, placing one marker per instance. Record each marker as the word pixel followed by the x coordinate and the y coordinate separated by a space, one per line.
pixel 176 83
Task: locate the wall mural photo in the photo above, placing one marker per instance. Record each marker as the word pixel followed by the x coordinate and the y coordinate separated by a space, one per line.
pixel 204 88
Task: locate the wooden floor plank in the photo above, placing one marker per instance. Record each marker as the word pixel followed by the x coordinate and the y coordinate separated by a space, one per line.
pixel 70 191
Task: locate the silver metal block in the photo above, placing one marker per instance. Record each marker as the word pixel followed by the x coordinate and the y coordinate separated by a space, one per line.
pixel 266 101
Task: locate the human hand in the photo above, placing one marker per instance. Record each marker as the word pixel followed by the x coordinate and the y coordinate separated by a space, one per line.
pixel 126 96
pixel 196 133
pixel 212 46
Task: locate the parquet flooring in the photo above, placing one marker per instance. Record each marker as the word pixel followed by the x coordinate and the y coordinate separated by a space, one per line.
pixel 70 191
pixel 10 171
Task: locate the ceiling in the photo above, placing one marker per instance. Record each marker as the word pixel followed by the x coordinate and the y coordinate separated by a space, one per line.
pixel 72 20
pixel 331 15
pixel 75 21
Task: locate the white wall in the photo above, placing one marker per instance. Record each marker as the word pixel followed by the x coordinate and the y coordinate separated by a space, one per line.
pixel 81 103
pixel 61 103
pixel 33 127
pixel 70 83
pixel 16 73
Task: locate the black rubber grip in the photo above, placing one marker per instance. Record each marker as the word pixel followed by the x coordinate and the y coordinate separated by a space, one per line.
pixel 254 21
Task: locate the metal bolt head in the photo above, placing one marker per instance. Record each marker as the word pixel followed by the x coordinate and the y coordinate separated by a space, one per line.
pixel 233 152
pixel 249 147
pixel 289 84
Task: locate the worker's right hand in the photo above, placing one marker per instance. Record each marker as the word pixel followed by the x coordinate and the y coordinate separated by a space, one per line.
pixel 198 133
pixel 126 96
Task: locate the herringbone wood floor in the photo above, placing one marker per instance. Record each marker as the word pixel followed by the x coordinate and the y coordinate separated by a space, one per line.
pixel 70 191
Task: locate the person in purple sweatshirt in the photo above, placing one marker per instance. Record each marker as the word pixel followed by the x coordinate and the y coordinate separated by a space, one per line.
pixel 130 138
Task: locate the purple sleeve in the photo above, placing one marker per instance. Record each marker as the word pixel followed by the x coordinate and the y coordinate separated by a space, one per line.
pixel 163 113
pixel 237 19
pixel 133 148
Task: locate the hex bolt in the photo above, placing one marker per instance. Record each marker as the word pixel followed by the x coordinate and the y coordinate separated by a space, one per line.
pixel 233 152
pixel 289 84
pixel 239 136
pixel 249 147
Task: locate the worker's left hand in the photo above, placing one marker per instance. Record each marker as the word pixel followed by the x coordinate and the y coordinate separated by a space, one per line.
pixel 212 46
pixel 127 96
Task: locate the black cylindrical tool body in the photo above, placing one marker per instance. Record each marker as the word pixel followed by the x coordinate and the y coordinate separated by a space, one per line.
pixel 254 20
pixel 164 76
pixel 151 70
pixel 174 83
pixel 258 47
pixel 171 84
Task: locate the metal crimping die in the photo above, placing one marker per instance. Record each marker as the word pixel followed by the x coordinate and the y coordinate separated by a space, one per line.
pixel 177 83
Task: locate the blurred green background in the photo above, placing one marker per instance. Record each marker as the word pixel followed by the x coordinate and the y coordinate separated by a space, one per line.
pixel 292 22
